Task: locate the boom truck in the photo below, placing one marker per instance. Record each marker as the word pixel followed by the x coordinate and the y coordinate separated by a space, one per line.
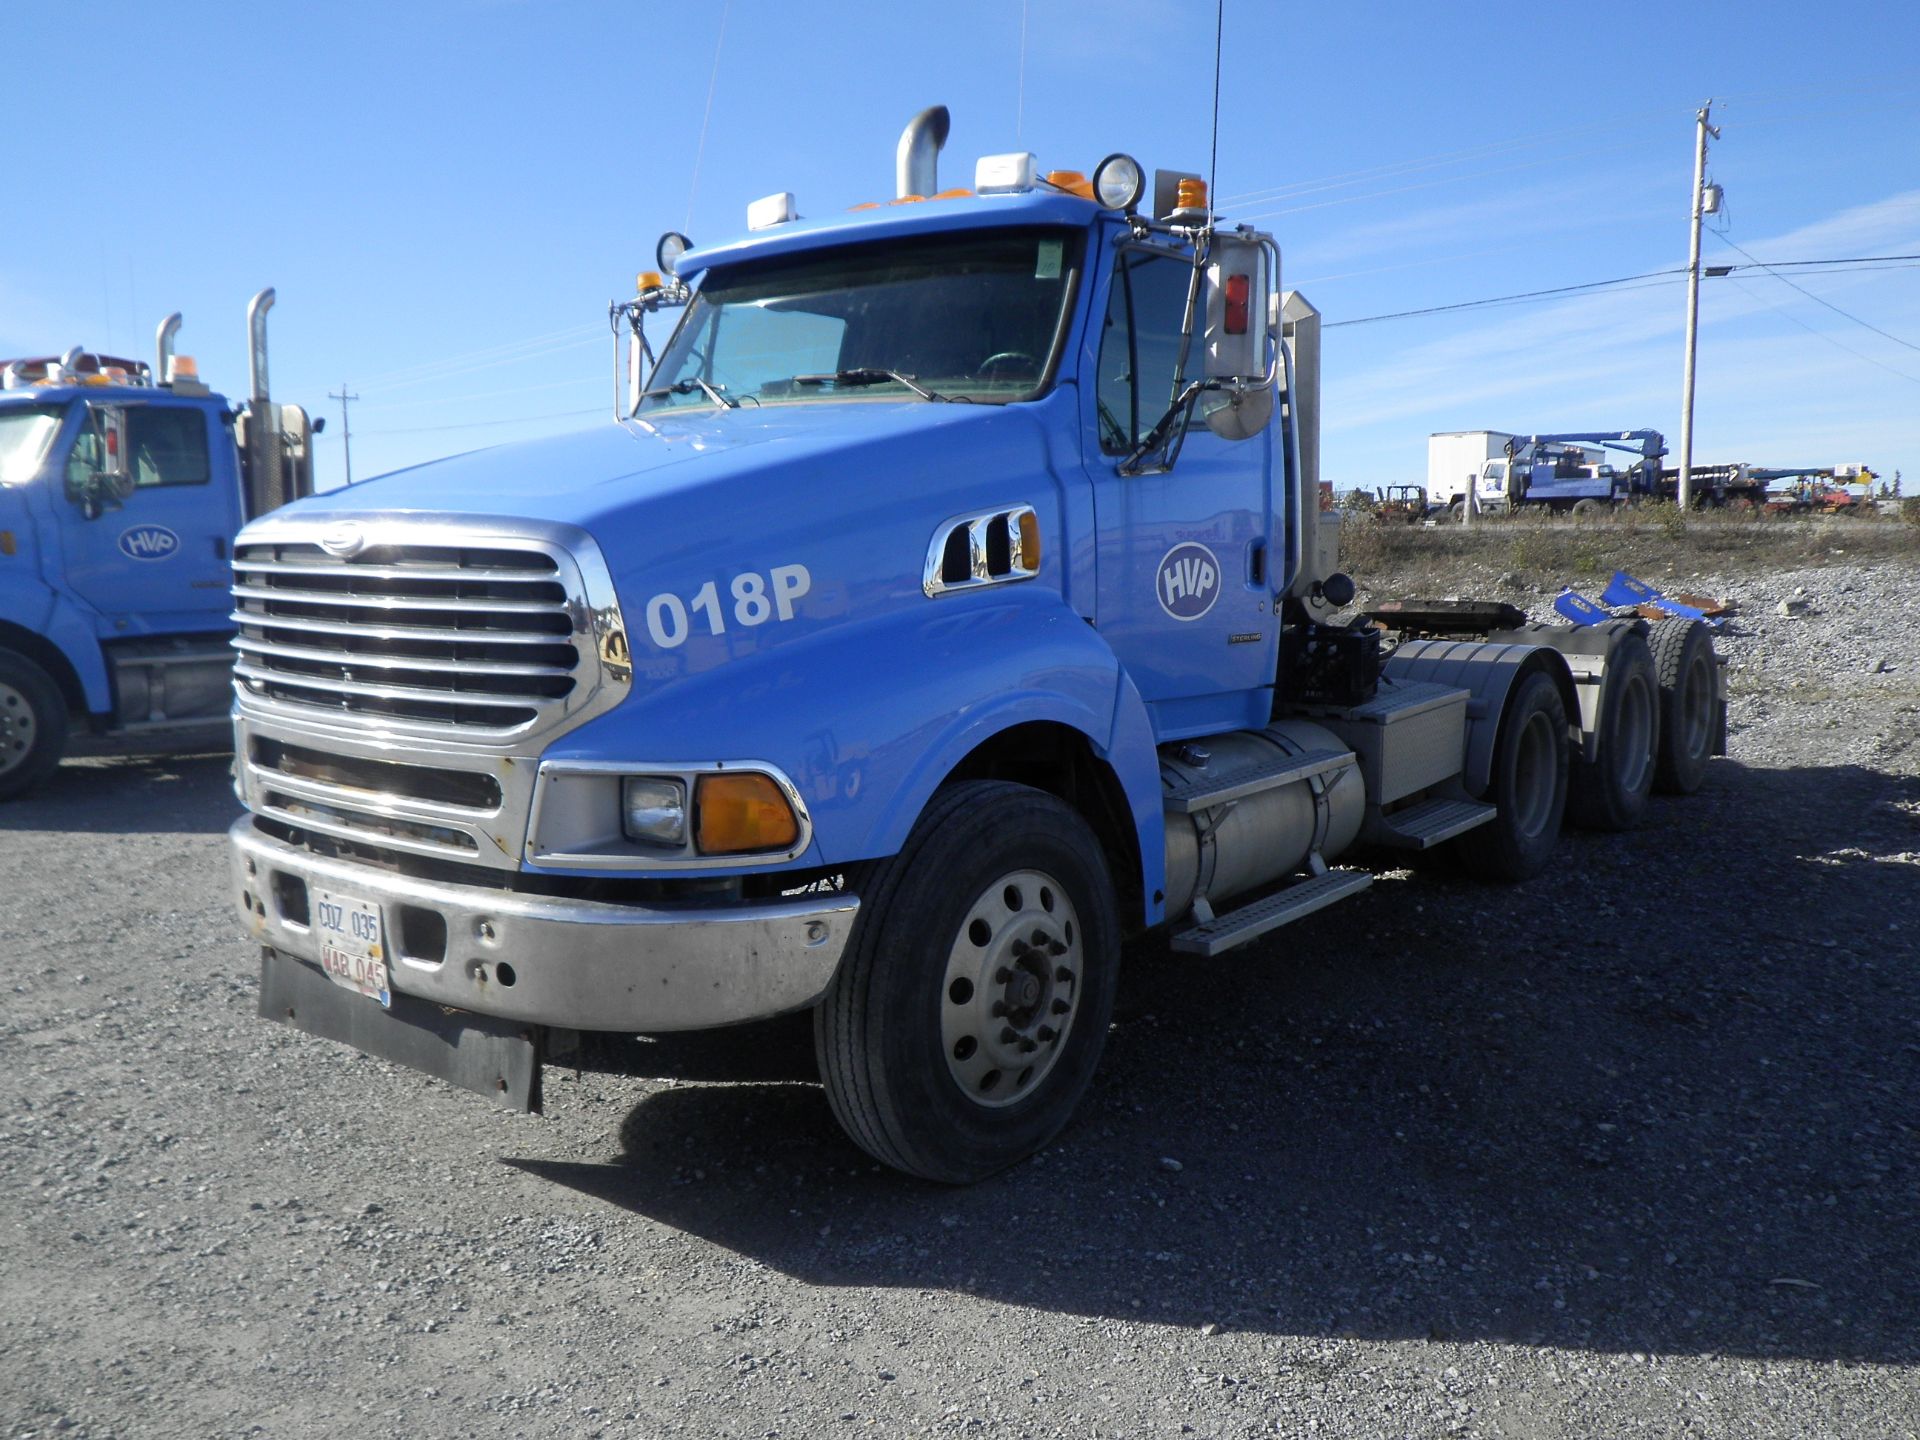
pixel 1567 471
pixel 122 486
pixel 948 600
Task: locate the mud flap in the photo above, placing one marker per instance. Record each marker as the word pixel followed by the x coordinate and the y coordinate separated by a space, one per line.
pixel 497 1058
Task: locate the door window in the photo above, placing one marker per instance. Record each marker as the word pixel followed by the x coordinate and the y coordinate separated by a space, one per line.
pixel 167 445
pixel 1140 346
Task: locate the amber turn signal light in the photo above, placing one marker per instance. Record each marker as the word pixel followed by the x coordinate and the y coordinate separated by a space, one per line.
pixel 742 812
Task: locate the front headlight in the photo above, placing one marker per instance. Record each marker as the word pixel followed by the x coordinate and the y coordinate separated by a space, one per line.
pixel 653 810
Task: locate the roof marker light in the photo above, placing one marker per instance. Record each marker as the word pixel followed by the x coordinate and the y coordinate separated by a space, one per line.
pixel 1119 182
pixel 1191 199
pixel 1004 174
pixel 771 210
pixel 1071 181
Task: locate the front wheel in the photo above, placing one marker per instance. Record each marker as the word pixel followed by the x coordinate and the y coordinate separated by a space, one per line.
pixel 972 1004
pixel 33 724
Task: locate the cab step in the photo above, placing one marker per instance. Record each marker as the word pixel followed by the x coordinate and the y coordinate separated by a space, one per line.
pixel 1283 907
pixel 1422 826
pixel 1242 781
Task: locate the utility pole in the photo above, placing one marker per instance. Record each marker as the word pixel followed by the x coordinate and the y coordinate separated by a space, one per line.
pixel 346 429
pixel 1702 130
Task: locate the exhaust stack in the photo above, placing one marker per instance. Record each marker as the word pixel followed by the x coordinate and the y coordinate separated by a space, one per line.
pixel 257 310
pixel 267 487
pixel 163 349
pixel 916 165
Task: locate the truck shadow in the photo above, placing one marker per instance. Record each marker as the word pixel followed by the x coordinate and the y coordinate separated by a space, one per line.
pixel 1663 1098
pixel 182 794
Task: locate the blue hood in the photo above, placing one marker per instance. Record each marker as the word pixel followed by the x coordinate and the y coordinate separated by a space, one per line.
pixel 597 475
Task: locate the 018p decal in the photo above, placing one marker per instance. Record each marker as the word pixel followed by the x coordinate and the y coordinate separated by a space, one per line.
pixel 753 599
pixel 1187 581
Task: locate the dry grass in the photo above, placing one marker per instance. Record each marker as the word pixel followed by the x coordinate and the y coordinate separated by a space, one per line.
pixel 1659 543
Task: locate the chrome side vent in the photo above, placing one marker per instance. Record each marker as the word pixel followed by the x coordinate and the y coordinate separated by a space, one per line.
pixel 994 548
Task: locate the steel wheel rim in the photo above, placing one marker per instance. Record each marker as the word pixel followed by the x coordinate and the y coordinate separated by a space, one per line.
pixel 17 729
pixel 1012 988
pixel 1533 777
pixel 1634 733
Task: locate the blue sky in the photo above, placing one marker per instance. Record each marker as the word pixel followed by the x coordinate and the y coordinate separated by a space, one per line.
pixel 446 193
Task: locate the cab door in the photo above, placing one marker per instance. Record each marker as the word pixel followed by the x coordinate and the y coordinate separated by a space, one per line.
pixel 1186 565
pixel 159 560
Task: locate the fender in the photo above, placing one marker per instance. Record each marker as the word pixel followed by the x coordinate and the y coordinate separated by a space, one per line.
pixel 1487 672
pixel 1588 650
pixel 873 715
pixel 29 603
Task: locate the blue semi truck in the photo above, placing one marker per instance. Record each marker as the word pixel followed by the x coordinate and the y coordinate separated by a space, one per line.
pixel 122 486
pixel 947 600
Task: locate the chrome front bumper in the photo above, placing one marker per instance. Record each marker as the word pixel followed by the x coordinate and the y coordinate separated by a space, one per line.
pixel 579 964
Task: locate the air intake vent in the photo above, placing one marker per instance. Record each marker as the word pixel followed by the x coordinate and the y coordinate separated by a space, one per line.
pixel 994 548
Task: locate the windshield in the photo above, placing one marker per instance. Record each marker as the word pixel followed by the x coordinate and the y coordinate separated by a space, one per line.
pixel 976 316
pixel 24 437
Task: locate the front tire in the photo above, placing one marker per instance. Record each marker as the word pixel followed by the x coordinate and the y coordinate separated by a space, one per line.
pixel 970 1010
pixel 33 724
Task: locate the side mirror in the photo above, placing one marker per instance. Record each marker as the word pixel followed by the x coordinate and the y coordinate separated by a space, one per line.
pixel 1239 310
pixel 97 471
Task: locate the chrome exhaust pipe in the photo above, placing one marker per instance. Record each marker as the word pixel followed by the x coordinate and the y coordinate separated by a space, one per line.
pixel 163 348
pixel 257 310
pixel 916 164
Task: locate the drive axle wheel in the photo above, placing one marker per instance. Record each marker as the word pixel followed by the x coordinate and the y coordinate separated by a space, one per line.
pixel 971 1006
pixel 1610 791
pixel 1683 653
pixel 1527 785
pixel 33 724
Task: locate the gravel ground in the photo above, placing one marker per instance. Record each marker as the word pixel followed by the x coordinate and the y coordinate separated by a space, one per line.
pixel 1629 1150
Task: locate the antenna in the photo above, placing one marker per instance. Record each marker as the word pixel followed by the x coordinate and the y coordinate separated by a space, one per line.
pixel 1213 158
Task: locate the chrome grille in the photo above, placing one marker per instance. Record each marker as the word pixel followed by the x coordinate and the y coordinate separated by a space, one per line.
pixel 483 641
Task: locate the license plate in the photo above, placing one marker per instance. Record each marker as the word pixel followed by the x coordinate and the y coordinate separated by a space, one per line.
pixel 352 944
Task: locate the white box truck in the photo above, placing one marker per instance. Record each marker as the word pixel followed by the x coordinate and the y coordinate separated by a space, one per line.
pixel 1454 462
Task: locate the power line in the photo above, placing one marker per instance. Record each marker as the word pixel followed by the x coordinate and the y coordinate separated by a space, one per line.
pixel 485 424
pixel 1411 166
pixel 1509 299
pixel 1858 264
pixel 444 361
pixel 1444 180
pixel 1837 344
pixel 1771 270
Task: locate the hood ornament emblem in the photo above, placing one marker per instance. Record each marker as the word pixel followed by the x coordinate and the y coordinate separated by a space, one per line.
pixel 344 540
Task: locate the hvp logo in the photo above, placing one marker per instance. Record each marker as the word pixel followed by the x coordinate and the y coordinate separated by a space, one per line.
pixel 148 542
pixel 1188 581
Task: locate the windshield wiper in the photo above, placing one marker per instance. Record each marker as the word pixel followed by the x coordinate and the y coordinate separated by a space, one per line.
pixel 687 387
pixel 870 375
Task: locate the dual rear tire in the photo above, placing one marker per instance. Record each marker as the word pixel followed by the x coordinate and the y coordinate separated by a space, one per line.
pixel 1689 705
pixel 1527 785
pixel 1609 792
